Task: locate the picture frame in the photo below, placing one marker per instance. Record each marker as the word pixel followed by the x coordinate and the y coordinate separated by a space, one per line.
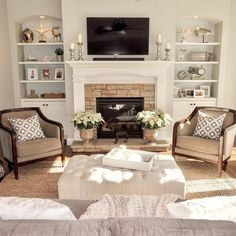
pixel 59 74
pixel 207 90
pixel 32 74
pixel 199 93
pixel 189 93
pixel 176 91
pixel 198 56
pixel 45 74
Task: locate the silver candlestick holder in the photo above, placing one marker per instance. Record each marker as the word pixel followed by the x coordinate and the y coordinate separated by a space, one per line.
pixel 80 52
pixel 167 57
pixel 72 54
pixel 158 57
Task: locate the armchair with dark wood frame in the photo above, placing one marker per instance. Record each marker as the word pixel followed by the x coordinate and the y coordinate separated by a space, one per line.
pixel 22 153
pixel 213 151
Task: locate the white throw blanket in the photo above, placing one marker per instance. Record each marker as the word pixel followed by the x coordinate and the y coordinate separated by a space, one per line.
pixel 130 206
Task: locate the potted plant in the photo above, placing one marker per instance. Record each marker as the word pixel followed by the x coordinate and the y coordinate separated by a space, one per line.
pixel 59 54
pixel 86 122
pixel 151 121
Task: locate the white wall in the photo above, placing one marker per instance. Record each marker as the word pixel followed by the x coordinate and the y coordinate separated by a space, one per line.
pixel 6 83
pixel 230 80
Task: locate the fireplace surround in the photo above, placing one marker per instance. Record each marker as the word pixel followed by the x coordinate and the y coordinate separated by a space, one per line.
pixel 156 73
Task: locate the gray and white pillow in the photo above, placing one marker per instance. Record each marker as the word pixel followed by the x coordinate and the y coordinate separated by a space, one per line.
pixel 209 126
pixel 27 129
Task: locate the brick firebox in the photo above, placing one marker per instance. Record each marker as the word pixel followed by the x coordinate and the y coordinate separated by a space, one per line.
pixel 119 90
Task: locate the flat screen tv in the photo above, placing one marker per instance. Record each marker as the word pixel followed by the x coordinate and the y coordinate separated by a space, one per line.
pixel 123 36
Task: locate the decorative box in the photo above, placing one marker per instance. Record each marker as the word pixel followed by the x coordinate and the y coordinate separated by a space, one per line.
pixel 130 159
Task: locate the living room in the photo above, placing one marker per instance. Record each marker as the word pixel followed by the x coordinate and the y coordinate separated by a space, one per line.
pixel 133 107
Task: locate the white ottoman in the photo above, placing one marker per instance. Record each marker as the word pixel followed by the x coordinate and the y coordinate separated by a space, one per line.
pixel 85 178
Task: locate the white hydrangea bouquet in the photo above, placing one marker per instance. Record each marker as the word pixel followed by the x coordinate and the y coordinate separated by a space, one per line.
pixel 87 120
pixel 153 119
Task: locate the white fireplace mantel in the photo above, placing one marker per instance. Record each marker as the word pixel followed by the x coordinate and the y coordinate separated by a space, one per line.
pixel 120 72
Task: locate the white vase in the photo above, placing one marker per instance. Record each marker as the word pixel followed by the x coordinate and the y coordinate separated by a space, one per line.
pixel 87 135
pixel 150 134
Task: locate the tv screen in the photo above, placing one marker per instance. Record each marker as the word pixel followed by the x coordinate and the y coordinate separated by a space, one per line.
pixel 123 36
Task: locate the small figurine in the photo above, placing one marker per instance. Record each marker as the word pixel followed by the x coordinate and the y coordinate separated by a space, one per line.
pixel 181 55
pixel 56 34
pixel 181 35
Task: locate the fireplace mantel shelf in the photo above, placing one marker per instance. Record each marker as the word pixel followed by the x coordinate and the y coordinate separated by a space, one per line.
pixel 95 69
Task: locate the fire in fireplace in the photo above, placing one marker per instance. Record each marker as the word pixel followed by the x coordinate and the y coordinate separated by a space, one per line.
pixel 119 115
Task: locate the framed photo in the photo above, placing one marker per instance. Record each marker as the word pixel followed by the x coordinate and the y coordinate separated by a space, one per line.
pixel 199 93
pixel 45 73
pixel 207 90
pixel 32 74
pixel 59 74
pixel 177 91
pixel 189 93
pixel 198 56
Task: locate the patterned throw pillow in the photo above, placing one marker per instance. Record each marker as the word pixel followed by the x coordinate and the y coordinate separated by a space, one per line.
pixel 209 126
pixel 27 129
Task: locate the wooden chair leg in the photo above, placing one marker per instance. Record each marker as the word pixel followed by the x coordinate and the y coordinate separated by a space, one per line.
pixel 62 159
pixel 225 166
pixel 219 171
pixel 15 168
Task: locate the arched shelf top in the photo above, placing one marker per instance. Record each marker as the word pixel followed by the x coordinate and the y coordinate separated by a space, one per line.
pixel 37 17
pixel 209 19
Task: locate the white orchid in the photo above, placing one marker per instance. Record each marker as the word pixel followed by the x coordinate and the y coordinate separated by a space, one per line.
pixel 87 120
pixel 153 119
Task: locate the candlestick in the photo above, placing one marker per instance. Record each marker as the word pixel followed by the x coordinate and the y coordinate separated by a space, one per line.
pixel 80 38
pixel 72 54
pixel 80 52
pixel 158 57
pixel 167 57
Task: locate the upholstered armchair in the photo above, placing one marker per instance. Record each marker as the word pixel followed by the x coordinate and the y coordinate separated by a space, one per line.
pixel 213 151
pixel 20 153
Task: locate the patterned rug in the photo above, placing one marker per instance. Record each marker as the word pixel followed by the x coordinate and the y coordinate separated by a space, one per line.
pixel 40 180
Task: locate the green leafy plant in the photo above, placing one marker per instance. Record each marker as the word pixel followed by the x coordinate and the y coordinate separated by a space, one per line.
pixel 87 120
pixel 59 51
pixel 154 119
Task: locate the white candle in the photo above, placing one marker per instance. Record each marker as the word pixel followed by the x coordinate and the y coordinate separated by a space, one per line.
pixel 72 46
pixel 168 46
pixel 80 38
pixel 158 39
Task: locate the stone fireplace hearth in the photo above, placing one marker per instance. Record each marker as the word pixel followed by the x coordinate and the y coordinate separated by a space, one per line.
pixel 147 79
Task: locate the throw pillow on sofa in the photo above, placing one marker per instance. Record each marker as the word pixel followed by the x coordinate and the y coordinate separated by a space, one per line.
pixel 209 126
pixel 33 208
pixel 211 208
pixel 27 129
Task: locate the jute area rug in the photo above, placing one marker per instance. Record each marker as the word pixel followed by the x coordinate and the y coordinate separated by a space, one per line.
pixel 40 180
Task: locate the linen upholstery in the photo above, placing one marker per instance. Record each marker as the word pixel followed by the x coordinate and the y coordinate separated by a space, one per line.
pixel 118 227
pixel 18 152
pixel 213 151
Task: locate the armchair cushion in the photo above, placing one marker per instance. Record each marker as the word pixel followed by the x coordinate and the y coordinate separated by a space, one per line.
pixel 37 146
pixel 209 127
pixel 197 144
pixel 27 129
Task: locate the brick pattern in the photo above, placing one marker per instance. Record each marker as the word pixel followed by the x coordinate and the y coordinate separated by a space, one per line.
pixel 119 90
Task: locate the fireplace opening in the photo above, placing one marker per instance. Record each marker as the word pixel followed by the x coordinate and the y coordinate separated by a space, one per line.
pixel 119 115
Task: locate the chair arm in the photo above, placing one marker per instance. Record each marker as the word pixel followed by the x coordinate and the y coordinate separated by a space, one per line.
pixel 228 140
pixel 8 142
pixel 183 128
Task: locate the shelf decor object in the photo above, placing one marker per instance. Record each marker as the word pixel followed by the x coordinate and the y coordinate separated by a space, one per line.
pixel 56 34
pixel 42 31
pixel 27 35
pixel 201 32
